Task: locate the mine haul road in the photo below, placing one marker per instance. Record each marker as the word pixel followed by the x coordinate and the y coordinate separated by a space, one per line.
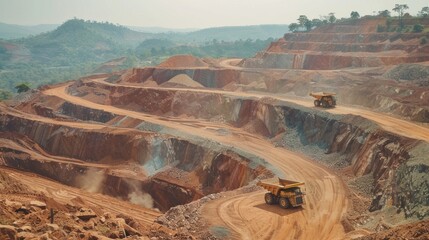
pixel 246 215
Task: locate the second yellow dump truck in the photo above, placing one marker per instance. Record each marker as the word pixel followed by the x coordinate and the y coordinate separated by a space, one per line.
pixel 286 193
pixel 324 99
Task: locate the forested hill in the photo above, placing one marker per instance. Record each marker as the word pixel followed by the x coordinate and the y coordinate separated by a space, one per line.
pixel 229 34
pixel 78 47
pixel 84 37
pixel 73 49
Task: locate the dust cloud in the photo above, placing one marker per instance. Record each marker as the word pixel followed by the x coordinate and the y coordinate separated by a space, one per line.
pixel 138 197
pixel 91 180
pixel 141 199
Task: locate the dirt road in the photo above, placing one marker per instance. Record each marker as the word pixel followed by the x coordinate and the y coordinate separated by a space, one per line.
pixel 246 215
pixel 388 123
pixel 242 214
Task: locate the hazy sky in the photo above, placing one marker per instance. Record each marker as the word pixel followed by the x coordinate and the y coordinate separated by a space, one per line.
pixel 189 13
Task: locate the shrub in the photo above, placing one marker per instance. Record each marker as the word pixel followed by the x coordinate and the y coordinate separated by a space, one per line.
pixel 418 28
pixel 423 40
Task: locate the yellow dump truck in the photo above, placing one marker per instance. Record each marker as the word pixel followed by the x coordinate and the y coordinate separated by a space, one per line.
pixel 286 193
pixel 324 99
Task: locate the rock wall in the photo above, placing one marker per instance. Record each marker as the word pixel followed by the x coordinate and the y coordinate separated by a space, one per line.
pixel 366 148
pixel 397 164
pixel 208 77
pixel 353 43
pixel 327 61
pixel 175 171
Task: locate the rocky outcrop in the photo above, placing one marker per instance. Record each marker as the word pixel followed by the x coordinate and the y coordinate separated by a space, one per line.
pixel 389 158
pixel 411 186
pixel 328 61
pixel 353 43
pixel 173 171
pixel 366 148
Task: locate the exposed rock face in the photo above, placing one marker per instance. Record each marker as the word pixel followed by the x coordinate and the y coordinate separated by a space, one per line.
pixel 389 158
pixel 207 77
pixel 79 112
pixel 368 88
pixel 366 148
pixel 412 184
pixel 408 231
pixel 7 232
pixel 347 44
pixel 161 165
pixel 74 219
pixel 350 45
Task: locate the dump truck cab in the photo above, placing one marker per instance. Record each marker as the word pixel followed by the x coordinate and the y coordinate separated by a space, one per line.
pixel 324 99
pixel 286 193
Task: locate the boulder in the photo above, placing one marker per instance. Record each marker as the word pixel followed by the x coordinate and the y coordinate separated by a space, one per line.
pixel 26 235
pixel 52 227
pixel 38 204
pixel 25 229
pixel 7 232
pixel 13 204
pixel 86 214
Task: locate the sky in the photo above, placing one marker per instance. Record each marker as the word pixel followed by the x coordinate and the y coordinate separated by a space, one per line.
pixel 189 13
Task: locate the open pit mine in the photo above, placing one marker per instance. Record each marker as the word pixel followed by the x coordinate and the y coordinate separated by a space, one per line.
pixel 176 151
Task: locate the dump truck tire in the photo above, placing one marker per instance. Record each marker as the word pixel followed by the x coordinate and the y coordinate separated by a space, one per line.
pixel 284 202
pixel 325 104
pixel 270 198
pixel 316 103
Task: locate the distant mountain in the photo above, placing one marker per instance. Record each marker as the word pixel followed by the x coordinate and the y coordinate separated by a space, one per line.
pixel 133 35
pixel 230 34
pixel 13 31
pixel 78 47
pixel 161 29
pixel 79 41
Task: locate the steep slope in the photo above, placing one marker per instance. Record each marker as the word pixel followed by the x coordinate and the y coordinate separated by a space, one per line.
pixel 77 40
pixel 144 136
pixel 343 45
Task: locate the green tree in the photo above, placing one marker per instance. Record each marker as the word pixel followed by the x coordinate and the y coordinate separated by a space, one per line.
pixel 302 20
pixel 384 13
pixel 424 12
pixel 4 94
pixel 354 15
pixel 23 87
pixel 400 9
pixel 293 27
pixel 317 22
pixel 332 18
pixel 308 25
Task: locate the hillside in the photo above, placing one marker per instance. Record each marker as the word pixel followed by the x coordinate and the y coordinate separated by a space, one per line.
pixel 79 47
pixel 357 43
pixel 13 31
pixel 389 56
pixel 72 50
pixel 177 150
pixel 235 33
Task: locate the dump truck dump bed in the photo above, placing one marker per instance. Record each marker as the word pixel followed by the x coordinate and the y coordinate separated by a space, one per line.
pixel 324 99
pixel 274 185
pixel 321 94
